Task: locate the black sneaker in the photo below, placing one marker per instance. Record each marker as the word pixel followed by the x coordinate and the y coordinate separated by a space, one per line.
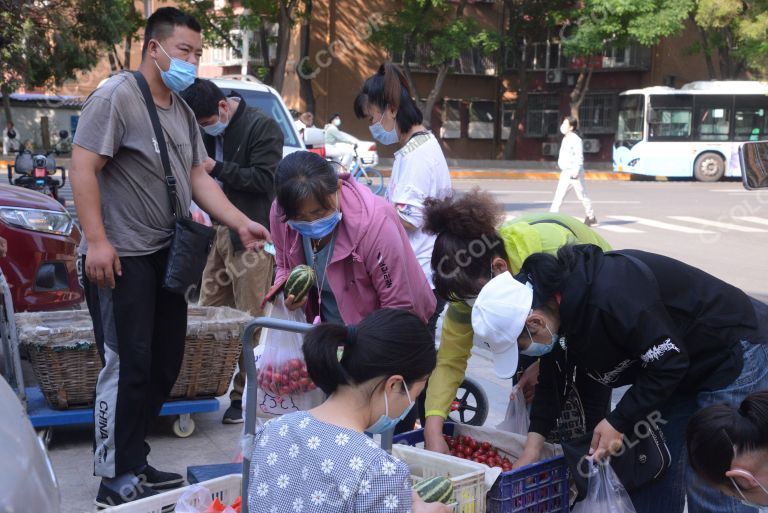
pixel 159 480
pixel 234 414
pixel 106 498
pixel 591 221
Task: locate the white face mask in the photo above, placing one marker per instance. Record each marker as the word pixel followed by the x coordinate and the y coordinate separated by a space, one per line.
pixel 565 128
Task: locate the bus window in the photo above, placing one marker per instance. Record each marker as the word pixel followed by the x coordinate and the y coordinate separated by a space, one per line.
pixel 670 118
pixel 712 123
pixel 630 120
pixel 750 122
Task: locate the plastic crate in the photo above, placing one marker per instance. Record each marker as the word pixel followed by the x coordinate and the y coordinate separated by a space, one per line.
pixel 539 488
pixel 468 477
pixel 226 489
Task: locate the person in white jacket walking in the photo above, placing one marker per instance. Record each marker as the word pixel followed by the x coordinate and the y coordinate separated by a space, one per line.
pixel 571 164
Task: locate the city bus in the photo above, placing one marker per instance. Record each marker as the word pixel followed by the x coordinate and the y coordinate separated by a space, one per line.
pixel 695 131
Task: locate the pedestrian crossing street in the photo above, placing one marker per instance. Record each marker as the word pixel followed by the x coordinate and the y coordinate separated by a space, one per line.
pixel 688 225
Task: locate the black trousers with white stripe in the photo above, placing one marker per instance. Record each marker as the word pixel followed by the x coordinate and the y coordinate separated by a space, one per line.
pixel 140 330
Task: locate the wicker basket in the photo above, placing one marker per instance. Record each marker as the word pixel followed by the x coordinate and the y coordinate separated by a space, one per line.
pixel 66 363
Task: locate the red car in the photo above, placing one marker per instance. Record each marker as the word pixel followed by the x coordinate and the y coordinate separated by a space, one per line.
pixel 41 265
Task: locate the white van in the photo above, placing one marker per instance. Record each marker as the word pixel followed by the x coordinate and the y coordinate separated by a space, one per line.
pixel 267 100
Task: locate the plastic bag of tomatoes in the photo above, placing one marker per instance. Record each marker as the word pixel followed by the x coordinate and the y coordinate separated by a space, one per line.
pixel 282 370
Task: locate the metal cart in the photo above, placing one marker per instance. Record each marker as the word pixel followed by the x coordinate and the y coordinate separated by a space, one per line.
pixel 44 418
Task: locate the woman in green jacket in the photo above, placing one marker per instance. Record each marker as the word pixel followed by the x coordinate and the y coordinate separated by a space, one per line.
pixel 473 244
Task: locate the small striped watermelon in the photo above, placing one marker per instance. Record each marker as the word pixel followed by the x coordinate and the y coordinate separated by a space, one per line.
pixel 301 279
pixel 435 489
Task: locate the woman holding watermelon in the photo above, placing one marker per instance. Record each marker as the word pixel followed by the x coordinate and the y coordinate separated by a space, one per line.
pixel 352 240
pixel 472 246
pixel 321 459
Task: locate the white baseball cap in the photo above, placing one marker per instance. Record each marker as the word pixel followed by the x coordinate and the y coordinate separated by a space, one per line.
pixel 498 318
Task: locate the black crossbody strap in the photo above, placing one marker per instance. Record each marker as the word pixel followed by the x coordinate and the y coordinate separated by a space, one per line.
pixel 159 140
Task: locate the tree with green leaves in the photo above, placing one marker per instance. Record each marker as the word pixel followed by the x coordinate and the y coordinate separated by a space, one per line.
pixel 256 16
pixel 618 23
pixel 47 43
pixel 738 31
pixel 524 22
pixel 434 33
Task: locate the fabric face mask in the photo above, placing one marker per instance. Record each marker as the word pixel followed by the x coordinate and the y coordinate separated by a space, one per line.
pixel 180 75
pixel 537 348
pixel 564 129
pixel 385 422
pixel 337 122
pixel 383 136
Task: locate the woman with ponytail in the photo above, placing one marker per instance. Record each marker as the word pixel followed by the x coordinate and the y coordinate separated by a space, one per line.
pixel 473 243
pixel 419 170
pixel 321 460
pixel 728 448
pixel 681 339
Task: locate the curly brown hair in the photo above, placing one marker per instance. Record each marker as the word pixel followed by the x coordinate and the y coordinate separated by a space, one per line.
pixel 466 243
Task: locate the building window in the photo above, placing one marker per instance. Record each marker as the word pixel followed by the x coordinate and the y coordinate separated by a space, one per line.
pixel 451 128
pixel 482 117
pixel 597 113
pixel 543 116
pixel 507 118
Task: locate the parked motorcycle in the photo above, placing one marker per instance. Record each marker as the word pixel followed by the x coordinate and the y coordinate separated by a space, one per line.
pixel 36 171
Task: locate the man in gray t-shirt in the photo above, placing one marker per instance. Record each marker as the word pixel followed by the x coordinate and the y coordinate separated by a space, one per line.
pixel 124 208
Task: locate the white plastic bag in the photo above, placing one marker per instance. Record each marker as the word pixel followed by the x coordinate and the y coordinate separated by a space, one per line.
pixel 195 499
pixel 516 420
pixel 605 493
pixel 283 383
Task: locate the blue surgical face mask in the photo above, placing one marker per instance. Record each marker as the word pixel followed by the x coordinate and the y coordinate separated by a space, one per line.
pixel 387 423
pixel 319 228
pixel 383 136
pixel 761 507
pixel 537 348
pixel 180 75
pixel 216 128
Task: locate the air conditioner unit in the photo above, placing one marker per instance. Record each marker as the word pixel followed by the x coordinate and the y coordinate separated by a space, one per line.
pixel 591 145
pixel 554 76
pixel 549 149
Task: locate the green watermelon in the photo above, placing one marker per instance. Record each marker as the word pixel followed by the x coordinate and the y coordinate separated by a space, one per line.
pixel 301 279
pixel 435 489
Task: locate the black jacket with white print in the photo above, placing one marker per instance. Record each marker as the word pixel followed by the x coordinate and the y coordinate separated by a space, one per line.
pixel 635 318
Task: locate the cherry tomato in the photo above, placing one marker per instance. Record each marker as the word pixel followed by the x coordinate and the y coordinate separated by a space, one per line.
pixel 485 446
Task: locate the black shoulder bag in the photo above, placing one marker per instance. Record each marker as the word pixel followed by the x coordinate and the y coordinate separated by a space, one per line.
pixel 191 241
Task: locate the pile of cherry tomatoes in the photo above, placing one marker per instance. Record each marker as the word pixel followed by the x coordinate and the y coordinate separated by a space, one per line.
pixel 288 379
pixel 468 448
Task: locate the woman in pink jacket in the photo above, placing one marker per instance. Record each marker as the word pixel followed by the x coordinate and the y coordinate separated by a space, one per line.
pixel 350 237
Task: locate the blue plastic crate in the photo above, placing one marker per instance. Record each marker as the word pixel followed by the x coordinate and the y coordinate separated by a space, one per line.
pixel 538 488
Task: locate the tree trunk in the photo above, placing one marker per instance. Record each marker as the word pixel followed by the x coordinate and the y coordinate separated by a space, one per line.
pixel 707 51
pixel 726 58
pixel 264 44
pixel 434 94
pixel 113 66
pixel 510 148
pixel 6 92
pixel 283 43
pixel 580 90
pixel 127 52
pixel 307 94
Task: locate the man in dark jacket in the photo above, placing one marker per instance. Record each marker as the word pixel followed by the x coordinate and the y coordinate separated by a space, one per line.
pixel 244 147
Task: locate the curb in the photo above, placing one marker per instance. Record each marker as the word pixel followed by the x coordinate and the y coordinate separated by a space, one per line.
pixel 511 174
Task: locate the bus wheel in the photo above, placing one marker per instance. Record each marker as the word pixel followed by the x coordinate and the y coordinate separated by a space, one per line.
pixel 709 167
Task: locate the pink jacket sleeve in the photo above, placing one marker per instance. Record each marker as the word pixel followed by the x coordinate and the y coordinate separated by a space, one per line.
pixel 385 262
pixel 278 231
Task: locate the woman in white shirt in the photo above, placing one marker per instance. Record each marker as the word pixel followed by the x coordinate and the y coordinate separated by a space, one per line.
pixel 419 170
pixel 571 164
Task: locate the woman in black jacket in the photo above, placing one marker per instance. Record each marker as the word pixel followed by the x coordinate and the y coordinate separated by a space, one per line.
pixel 681 339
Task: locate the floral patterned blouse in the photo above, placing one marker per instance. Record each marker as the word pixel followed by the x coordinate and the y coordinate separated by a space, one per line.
pixel 302 465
